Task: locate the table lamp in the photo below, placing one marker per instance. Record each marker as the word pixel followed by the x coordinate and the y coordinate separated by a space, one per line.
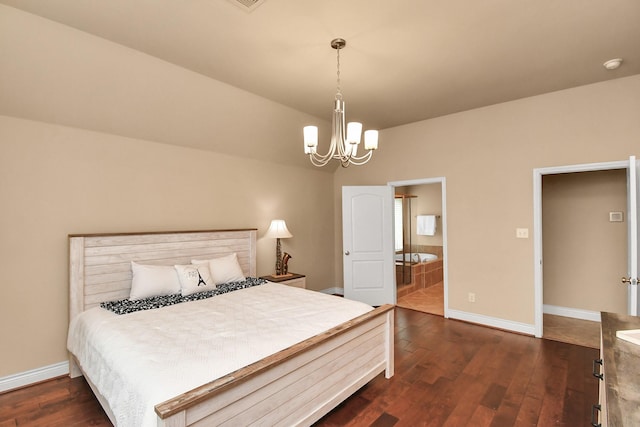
pixel 278 230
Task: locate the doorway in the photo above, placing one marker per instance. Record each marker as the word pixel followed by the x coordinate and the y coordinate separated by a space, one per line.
pixel 538 238
pixel 584 245
pixel 422 282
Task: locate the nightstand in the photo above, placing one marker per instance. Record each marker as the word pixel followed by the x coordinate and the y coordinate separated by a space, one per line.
pixel 295 280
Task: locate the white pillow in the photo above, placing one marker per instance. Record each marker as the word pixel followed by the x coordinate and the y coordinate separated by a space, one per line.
pixel 153 280
pixel 224 269
pixel 194 278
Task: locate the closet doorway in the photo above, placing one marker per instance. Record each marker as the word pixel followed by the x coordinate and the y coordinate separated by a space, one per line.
pixel 611 214
pixel 584 252
pixel 420 232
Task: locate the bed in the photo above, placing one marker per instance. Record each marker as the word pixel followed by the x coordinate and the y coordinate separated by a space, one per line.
pixel 295 385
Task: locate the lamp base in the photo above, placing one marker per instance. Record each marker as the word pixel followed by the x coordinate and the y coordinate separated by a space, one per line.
pixel 278 276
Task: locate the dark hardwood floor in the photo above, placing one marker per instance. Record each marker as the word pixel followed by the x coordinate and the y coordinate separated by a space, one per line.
pixel 60 402
pixel 448 373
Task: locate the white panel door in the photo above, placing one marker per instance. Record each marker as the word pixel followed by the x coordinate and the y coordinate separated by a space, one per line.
pixel 367 240
pixel 633 189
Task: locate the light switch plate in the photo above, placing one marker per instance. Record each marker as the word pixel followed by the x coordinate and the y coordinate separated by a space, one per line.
pixel 522 233
pixel 616 217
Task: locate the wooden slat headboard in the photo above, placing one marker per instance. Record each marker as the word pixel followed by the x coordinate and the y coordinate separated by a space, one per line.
pixel 100 264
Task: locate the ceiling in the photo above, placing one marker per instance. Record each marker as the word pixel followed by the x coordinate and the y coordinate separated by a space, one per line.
pixel 405 60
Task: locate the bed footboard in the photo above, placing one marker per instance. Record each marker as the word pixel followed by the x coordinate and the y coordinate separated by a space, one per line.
pixel 294 387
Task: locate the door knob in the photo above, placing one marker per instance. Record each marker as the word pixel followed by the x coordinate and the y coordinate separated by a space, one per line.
pixel 347 252
pixel 629 280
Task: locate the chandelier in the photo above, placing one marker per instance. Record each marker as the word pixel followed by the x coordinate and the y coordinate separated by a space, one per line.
pixel 344 139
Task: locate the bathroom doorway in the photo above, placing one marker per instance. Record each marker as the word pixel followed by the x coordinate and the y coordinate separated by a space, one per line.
pixel 421 276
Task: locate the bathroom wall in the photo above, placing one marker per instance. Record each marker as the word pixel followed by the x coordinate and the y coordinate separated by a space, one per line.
pixel 428 202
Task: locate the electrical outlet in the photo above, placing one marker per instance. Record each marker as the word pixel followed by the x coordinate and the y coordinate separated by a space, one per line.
pixel 522 233
pixel 472 297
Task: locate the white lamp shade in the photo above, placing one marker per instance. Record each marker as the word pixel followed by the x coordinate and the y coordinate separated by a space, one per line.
pixel 310 136
pixel 278 230
pixel 354 131
pixel 371 140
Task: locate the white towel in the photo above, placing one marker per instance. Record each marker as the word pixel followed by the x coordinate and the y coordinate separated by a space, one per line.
pixel 426 225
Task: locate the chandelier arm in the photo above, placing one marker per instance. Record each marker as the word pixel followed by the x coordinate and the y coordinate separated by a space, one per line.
pixel 317 162
pixel 359 161
pixel 323 160
pixel 336 133
pixel 337 136
pixel 322 157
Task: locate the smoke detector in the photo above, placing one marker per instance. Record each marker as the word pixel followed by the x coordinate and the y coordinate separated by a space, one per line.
pixel 612 64
pixel 247 5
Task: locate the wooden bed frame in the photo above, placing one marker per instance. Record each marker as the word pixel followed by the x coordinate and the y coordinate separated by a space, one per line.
pixel 295 386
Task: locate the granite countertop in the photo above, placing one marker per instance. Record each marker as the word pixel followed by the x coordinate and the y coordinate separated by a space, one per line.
pixel 621 370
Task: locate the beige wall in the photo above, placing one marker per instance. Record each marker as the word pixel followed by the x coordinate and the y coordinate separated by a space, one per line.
pixel 584 253
pixel 56 74
pixel 428 202
pixel 96 137
pixel 487 156
pixel 57 180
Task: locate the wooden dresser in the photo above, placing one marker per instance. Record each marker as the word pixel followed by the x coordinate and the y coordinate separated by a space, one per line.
pixel 619 374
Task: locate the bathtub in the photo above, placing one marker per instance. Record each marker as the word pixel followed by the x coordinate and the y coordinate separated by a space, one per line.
pixel 416 257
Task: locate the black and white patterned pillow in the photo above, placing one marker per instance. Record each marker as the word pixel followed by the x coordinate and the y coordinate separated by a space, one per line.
pixel 125 306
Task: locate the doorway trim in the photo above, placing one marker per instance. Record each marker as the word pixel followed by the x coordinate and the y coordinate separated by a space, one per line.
pixel 443 186
pixel 537 225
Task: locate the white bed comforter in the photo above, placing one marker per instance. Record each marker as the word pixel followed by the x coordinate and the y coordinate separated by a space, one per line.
pixel 141 359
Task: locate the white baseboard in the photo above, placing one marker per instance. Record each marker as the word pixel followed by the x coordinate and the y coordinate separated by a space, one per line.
pixel 494 322
pixel 33 376
pixel 333 291
pixel 480 319
pixel 575 313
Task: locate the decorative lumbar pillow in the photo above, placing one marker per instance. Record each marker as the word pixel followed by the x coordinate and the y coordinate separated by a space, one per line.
pixel 225 269
pixel 195 278
pixel 153 280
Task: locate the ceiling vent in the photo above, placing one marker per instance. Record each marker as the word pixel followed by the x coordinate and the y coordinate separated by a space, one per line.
pixel 247 5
